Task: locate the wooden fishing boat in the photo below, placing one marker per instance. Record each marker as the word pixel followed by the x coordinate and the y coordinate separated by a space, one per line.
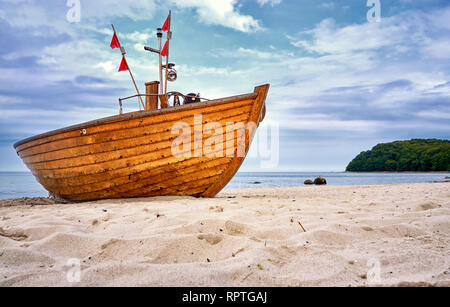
pixel 129 155
pixel 132 155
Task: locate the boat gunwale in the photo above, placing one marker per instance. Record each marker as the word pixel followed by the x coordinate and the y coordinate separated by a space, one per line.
pixel 133 115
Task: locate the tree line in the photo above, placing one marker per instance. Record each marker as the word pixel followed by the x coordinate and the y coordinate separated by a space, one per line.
pixel 417 155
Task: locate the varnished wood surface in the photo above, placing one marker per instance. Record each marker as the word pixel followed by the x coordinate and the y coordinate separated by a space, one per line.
pixel 130 155
pixel 151 102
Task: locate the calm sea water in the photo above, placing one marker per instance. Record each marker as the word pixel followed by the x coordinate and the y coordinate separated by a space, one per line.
pixel 247 180
pixel 15 185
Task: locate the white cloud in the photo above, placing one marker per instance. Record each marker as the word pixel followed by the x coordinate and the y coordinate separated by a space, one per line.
pixel 35 14
pixel 108 66
pixel 256 53
pixel 328 38
pixel 252 53
pixel 269 2
pixel 137 37
pixel 440 19
pixel 31 13
pixel 324 125
pixel 327 5
pixel 402 34
pixel 437 49
pixel 101 9
pixel 435 114
pixel 221 12
pixel 203 70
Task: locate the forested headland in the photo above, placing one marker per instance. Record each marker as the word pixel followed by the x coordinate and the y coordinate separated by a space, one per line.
pixel 417 155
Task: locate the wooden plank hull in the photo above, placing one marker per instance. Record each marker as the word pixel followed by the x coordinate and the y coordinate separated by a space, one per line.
pixel 132 155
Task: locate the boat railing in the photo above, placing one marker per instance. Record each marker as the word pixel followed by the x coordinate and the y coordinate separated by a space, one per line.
pixel 176 96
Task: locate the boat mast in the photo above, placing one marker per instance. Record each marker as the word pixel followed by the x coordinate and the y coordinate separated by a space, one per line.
pixel 169 36
pixel 161 86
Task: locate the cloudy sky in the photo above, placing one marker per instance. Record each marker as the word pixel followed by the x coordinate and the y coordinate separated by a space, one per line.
pixel 340 84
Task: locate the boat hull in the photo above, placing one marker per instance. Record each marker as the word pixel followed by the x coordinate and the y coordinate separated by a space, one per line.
pixel 132 155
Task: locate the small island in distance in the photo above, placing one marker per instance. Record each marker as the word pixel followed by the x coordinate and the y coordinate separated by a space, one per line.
pixel 417 155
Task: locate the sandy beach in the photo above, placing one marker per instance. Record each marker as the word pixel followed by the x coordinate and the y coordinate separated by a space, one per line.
pixel 387 235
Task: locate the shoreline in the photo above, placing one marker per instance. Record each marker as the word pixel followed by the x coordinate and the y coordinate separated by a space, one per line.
pixel 289 172
pixel 49 201
pixel 289 236
pixel 407 172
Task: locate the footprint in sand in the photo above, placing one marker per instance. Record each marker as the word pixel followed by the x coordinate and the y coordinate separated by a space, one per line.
pixel 210 238
pixel 107 244
pixel 367 228
pixel 235 229
pixel 16 235
pixel 428 206
pixel 218 209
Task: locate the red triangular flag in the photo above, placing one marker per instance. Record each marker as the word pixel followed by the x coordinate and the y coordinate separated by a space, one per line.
pixel 123 65
pixel 164 51
pixel 166 24
pixel 115 42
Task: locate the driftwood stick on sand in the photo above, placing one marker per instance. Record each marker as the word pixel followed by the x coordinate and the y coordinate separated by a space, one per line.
pixel 301 226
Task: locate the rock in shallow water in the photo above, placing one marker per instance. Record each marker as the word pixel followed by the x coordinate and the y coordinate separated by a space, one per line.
pixel 308 182
pixel 320 181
